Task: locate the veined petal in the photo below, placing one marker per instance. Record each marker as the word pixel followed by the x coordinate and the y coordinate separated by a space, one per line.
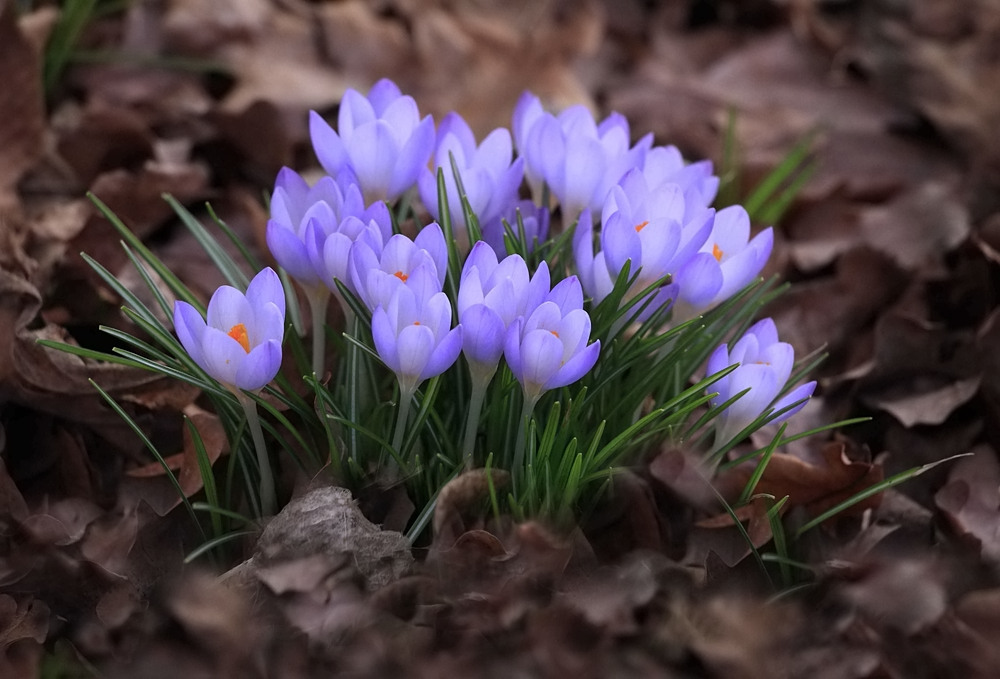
pixel 384 337
pixel 576 367
pixel 567 295
pixel 190 327
pixel 259 366
pixel 415 343
pixel 270 324
pixel 290 252
pixel 266 287
pixel 802 393
pixel 541 358
pixel 373 150
pixel 412 156
pixel 383 94
pixel 431 240
pixel 699 281
pixel 483 335
pixel 355 110
pixel 444 354
pixel 227 308
pixel 327 144
pixel 223 355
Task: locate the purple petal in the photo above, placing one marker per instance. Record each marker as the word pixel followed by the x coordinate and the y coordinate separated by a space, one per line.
pixel 290 252
pixel 415 344
pixel 541 358
pixel 620 243
pixel 228 308
pixel 801 393
pixel 699 281
pixel 327 144
pixel 266 287
pixel 373 151
pixel 190 327
pixel 512 347
pixel 445 353
pixel 409 159
pixel 576 367
pixel 483 335
pixel 269 324
pixel 223 355
pixel 385 339
pixel 567 295
pixel 259 366
pixel 431 240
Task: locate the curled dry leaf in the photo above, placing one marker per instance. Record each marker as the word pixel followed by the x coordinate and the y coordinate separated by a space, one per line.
pixel 843 472
pixel 970 501
pixel 463 498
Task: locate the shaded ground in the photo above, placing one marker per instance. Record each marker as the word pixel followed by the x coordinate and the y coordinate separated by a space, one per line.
pixel 892 250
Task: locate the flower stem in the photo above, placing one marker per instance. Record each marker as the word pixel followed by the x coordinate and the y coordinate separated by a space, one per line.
pixel 518 467
pixel 268 502
pixel 318 298
pixel 480 381
pixel 405 399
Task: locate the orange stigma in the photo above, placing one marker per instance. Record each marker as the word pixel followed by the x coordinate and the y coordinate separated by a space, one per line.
pixel 717 252
pixel 416 322
pixel 239 333
pixel 401 276
pixel 554 333
pixel 640 227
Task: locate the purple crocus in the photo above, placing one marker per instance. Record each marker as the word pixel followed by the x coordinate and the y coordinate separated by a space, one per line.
pixel 488 176
pixel 420 264
pixel 665 164
pixel 765 365
pixel 727 262
pixel 294 205
pixel 548 349
pixel 240 345
pixel 381 141
pixel 414 336
pixel 579 159
pixel 491 296
pixel 657 229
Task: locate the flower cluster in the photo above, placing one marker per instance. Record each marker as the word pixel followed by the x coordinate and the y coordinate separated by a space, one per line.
pixel 635 207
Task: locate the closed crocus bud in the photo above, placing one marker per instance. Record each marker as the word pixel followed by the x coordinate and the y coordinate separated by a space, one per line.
pixel 489 175
pixel 765 365
pixel 240 345
pixel 548 349
pixel 381 141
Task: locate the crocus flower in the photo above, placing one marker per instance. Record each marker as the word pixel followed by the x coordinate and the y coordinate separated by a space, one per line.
pixel 488 176
pixel 491 296
pixel 657 229
pixel 664 164
pixel 414 337
pixel 420 263
pixel 329 248
pixel 764 367
pixel 240 346
pixel 548 349
pixel 380 140
pixel 727 262
pixel 294 205
pixel 579 159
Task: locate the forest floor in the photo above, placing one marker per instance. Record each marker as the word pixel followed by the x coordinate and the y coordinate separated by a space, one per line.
pixel 891 248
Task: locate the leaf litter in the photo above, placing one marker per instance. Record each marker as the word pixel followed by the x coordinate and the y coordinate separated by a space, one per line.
pixel 890 248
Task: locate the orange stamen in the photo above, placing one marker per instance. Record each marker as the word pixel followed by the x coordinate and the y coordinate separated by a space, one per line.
pixel 554 333
pixel 416 322
pixel 640 227
pixel 717 252
pixel 401 276
pixel 239 333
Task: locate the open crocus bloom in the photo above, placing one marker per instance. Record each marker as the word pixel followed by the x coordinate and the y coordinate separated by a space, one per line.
pixel 764 367
pixel 381 141
pixel 549 349
pixel 240 345
pixel 414 337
